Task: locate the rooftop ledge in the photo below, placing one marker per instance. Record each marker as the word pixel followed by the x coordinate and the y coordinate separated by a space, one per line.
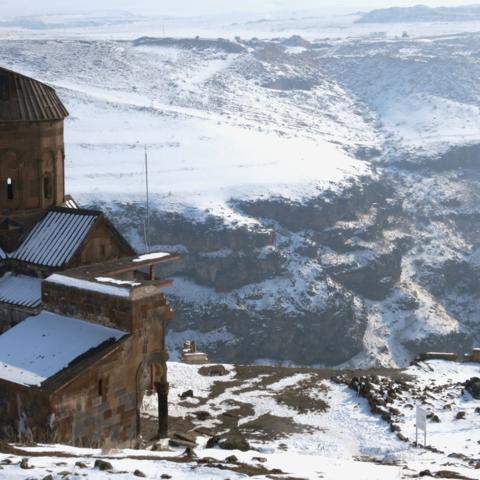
pixel 106 278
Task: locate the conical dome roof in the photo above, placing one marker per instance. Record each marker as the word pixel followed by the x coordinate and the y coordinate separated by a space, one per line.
pixel 23 99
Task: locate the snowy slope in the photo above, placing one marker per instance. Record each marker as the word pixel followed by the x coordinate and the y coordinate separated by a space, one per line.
pixel 323 188
pixel 205 145
pixel 299 422
pixel 422 13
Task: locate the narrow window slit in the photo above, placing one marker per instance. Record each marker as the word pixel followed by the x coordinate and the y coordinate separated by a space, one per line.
pixel 47 187
pixel 9 188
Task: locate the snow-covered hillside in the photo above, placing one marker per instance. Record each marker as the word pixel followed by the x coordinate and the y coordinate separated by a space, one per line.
pixel 262 422
pixel 422 13
pixel 322 188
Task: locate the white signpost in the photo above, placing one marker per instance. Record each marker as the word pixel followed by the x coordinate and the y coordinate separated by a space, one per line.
pixel 421 424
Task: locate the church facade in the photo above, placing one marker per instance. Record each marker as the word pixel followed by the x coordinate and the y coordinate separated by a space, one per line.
pixel 82 316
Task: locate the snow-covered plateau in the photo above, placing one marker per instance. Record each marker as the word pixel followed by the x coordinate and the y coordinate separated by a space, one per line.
pixel 283 423
pixel 322 188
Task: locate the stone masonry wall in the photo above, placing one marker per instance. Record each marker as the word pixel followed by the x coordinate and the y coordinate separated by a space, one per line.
pixel 99 408
pixel 24 414
pixel 28 153
pixel 108 310
pixel 102 406
pixel 11 315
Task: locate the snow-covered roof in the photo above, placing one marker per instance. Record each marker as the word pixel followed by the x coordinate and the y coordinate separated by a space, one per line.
pixel 56 237
pixel 99 286
pixel 21 290
pixel 3 255
pixel 151 256
pixel 41 346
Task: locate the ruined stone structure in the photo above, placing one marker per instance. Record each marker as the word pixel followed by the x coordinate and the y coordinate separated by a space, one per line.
pixel 82 317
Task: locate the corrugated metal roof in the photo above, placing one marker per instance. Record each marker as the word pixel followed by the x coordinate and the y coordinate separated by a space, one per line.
pixel 56 237
pixel 21 290
pixel 23 99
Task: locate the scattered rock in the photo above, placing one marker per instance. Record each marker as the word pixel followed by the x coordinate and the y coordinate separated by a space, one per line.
pixel 425 473
pixel 259 459
pixel 213 371
pixel 81 465
pixel 202 415
pixel 234 441
pixel 175 442
pixel 473 387
pixel 212 442
pixel 188 437
pixel 183 440
pixel 394 427
pixel 230 441
pixel 189 453
pixel 231 459
pixel 394 411
pixel 103 465
pixel 450 474
pixel 24 464
pixel 460 415
pixel 48 477
pixel 435 418
pixel 461 456
pixel 165 475
pixel 187 394
pixel 139 473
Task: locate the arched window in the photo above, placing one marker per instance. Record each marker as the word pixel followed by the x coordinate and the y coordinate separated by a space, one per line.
pixel 47 186
pixel 10 192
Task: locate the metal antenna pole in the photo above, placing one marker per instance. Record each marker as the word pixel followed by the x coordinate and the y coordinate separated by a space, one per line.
pixel 147 220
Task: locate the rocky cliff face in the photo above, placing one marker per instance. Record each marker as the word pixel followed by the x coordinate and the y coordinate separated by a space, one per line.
pixel 377 271
pixel 293 289
pixel 316 267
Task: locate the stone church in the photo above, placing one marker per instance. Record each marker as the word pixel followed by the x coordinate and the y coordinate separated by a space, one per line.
pixel 82 316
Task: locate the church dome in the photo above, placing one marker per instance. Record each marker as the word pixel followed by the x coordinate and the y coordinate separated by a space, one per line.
pixel 23 99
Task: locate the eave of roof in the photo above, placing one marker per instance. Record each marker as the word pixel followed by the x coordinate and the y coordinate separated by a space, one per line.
pixel 20 290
